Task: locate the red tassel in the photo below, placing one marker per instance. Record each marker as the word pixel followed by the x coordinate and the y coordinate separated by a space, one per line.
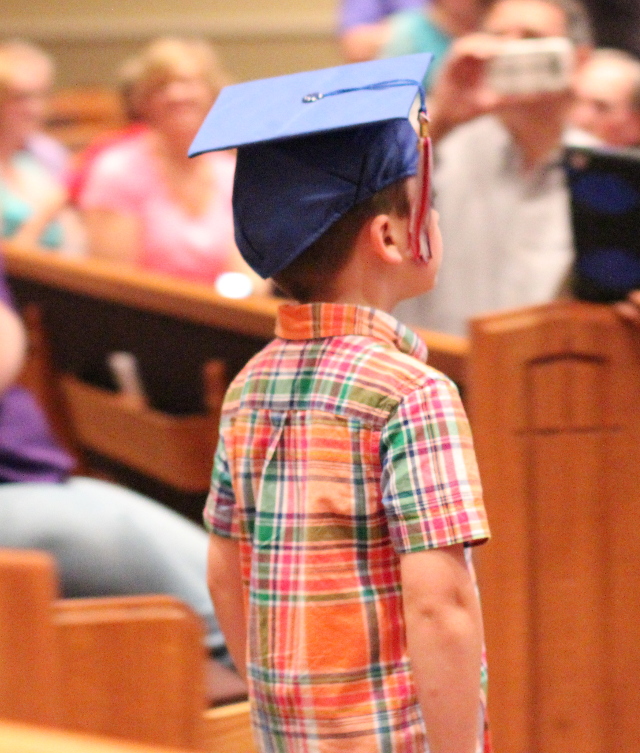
pixel 420 210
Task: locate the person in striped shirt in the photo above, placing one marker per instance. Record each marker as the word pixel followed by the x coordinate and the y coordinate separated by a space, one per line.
pixel 345 495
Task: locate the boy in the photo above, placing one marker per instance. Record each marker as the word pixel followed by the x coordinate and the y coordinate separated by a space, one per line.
pixel 344 487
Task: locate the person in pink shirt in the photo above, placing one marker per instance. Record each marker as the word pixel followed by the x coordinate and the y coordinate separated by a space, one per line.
pixel 144 202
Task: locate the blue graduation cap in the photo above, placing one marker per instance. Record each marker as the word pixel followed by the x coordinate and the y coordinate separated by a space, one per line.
pixel 311 146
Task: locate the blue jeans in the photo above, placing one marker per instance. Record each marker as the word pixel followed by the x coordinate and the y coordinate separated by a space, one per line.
pixel 110 541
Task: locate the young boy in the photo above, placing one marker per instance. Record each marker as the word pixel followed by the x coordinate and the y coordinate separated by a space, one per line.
pixel 344 488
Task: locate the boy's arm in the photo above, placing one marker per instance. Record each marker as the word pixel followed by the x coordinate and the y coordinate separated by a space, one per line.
pixel 224 578
pixel 444 639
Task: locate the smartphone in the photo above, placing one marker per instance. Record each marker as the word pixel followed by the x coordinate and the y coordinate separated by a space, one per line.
pixel 532 66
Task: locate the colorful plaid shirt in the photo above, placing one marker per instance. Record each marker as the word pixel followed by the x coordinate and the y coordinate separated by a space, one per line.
pixel 339 450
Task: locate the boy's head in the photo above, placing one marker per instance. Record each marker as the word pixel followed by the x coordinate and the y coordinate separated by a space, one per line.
pixel 312 275
pixel 320 156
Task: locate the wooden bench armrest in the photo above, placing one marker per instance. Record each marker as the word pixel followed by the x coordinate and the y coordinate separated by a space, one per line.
pixel 227 729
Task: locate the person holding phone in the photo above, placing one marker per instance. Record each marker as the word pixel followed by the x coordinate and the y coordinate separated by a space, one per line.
pixel 499 184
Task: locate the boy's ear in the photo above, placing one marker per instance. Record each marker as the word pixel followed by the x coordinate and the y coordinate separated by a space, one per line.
pixel 387 234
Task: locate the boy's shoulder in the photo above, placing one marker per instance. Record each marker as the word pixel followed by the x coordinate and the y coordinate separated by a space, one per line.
pixel 341 372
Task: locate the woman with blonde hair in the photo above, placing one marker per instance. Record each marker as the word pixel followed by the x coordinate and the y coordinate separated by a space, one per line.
pixel 144 201
pixel 32 198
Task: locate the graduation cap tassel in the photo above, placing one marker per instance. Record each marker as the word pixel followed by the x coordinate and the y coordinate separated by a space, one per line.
pixel 419 220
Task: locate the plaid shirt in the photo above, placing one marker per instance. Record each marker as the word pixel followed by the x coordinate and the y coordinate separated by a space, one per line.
pixel 340 449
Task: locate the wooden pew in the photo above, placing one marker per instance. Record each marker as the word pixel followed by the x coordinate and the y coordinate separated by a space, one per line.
pixel 554 396
pixel 127 667
pixel 78 115
pixel 29 685
pixel 25 738
pixel 181 333
pixel 131 667
pixel 188 342
pixel 227 729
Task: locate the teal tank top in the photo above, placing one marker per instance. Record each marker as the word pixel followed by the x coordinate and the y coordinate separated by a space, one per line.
pixel 15 210
pixel 412 31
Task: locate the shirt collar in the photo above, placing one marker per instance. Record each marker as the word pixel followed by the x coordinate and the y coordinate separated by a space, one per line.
pixel 318 320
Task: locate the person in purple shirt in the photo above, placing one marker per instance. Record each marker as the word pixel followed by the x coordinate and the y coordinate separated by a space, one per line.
pixel 106 540
pixel 360 27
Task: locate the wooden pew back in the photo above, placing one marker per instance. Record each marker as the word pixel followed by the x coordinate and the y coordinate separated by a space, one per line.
pixel 130 667
pixel 188 342
pixel 29 682
pixel 554 400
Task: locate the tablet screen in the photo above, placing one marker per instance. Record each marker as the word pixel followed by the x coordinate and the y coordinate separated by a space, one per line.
pixel 604 186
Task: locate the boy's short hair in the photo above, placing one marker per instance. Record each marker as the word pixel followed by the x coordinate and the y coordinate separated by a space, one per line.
pixel 311 275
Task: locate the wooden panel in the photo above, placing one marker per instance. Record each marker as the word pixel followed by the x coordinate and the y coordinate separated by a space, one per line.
pixel 568 593
pixel 132 667
pixel 78 115
pixel 28 662
pixel 554 399
pixel 566 393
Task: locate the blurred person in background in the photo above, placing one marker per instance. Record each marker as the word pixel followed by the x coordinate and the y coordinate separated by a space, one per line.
pixel 144 201
pixel 32 166
pixel 607 98
pixel 499 184
pixel 432 27
pixel 33 74
pixel 361 26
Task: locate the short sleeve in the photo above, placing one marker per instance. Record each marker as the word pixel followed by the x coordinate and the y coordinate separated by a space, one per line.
pixel 115 181
pixel 220 505
pixel 430 482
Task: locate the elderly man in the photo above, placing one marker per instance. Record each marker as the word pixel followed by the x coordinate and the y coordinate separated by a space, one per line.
pixel 499 187
pixel 607 104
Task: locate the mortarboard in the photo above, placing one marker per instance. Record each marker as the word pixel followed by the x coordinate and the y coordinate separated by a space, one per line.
pixel 313 145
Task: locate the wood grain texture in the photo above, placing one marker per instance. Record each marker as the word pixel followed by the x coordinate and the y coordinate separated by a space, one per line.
pixel 24 738
pixel 554 396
